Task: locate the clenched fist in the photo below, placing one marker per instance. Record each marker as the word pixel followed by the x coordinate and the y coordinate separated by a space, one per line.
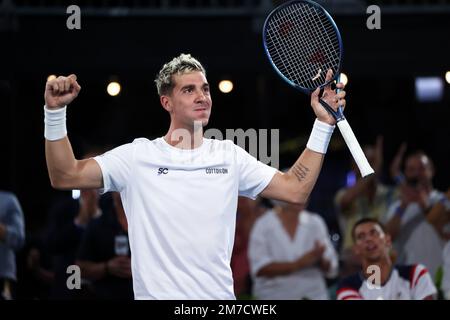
pixel 61 91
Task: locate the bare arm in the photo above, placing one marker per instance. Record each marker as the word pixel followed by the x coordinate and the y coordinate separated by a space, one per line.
pixel 93 270
pixel 282 268
pixel 119 266
pixel 296 185
pixel 438 217
pixel 64 170
pixel 354 192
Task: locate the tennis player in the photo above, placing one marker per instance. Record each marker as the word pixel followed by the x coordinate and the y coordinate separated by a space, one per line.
pixel 180 191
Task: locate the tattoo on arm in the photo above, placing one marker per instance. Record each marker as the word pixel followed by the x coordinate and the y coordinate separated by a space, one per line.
pixel 300 171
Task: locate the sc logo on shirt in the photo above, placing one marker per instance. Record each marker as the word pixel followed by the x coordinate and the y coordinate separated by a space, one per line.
pixel 163 171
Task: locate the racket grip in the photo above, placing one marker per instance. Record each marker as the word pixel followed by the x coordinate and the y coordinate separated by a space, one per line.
pixel 355 148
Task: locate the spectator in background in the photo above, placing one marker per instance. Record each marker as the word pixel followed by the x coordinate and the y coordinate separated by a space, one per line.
pixel 415 239
pixel 290 253
pixel 247 212
pixel 104 254
pixel 379 279
pixel 367 198
pixel 12 238
pixel 68 221
pixel 35 271
pixel 439 216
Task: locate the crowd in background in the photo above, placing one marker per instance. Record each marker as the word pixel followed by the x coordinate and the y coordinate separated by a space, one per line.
pixel 281 250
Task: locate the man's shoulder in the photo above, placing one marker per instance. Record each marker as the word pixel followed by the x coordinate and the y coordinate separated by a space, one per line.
pixel 411 273
pixel 406 271
pixel 8 198
pixel 353 281
pixel 7 194
pixel 265 219
pixel 139 141
pixel 313 217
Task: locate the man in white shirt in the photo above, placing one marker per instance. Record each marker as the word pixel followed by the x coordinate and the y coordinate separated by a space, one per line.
pixel 379 279
pixel 415 238
pixel 290 252
pixel 180 191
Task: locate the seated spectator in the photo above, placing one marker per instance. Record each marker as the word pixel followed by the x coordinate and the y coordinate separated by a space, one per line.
pixel 290 253
pixel 12 238
pixel 379 279
pixel 367 198
pixel 104 254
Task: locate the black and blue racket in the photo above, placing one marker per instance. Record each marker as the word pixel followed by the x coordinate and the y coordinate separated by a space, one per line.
pixel 302 43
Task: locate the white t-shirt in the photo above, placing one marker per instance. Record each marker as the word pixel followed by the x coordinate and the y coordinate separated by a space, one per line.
pixel 418 241
pixel 181 211
pixel 270 243
pixel 411 282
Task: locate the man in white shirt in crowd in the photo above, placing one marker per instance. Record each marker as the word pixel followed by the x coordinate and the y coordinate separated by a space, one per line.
pixel 180 191
pixel 379 279
pixel 416 240
pixel 290 254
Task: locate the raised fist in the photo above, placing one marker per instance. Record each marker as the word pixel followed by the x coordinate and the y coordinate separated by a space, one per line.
pixel 61 91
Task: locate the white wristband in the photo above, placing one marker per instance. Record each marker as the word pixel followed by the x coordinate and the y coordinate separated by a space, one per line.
pixel 55 123
pixel 320 137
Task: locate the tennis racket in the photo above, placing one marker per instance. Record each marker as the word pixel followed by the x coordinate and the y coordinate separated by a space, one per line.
pixel 302 43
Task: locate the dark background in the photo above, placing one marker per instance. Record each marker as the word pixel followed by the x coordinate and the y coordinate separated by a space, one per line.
pixel 226 37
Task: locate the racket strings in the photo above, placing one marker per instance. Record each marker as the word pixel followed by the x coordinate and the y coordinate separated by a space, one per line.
pixel 303 44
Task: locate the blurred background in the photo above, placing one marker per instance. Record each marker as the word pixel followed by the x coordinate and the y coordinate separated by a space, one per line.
pixel 398 82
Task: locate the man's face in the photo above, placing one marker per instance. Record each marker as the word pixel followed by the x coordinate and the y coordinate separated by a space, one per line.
pixel 371 243
pixel 190 100
pixel 418 168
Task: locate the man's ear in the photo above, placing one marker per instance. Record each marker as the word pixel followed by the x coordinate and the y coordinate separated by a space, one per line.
pixel 166 103
pixel 388 240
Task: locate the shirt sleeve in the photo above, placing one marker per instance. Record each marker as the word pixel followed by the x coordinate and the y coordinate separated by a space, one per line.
pixel 390 212
pixel 330 252
pixel 14 223
pixel 258 251
pixel 254 176
pixel 348 289
pixel 422 285
pixel 116 167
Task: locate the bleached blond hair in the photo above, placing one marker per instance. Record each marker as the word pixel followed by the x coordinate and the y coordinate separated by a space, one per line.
pixel 184 63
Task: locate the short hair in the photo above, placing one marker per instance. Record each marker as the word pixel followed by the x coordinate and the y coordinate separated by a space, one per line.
pixel 419 154
pixel 366 220
pixel 184 63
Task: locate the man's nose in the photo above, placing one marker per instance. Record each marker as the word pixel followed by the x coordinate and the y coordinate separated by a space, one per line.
pixel 201 96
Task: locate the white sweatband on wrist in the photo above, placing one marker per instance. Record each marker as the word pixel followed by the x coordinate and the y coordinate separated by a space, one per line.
pixel 55 123
pixel 320 136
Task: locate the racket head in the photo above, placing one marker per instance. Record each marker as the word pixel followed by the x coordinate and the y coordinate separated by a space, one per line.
pixel 298 48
